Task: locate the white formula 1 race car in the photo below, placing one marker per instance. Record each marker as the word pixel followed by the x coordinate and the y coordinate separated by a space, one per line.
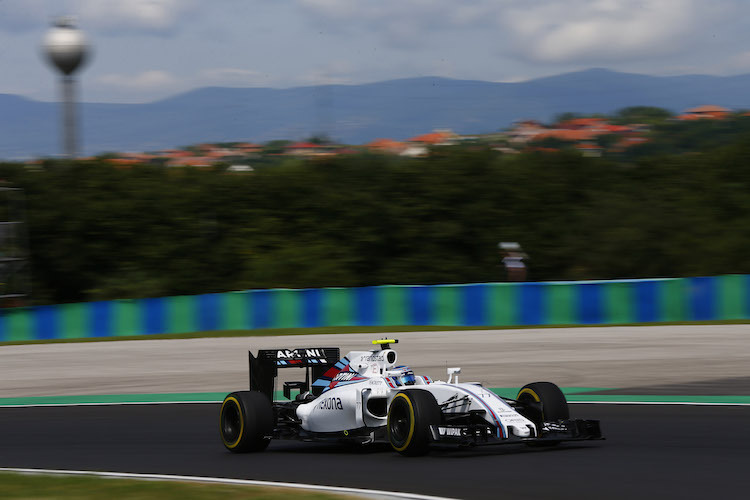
pixel 365 397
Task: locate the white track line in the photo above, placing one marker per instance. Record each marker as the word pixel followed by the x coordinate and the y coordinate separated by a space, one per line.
pixel 245 482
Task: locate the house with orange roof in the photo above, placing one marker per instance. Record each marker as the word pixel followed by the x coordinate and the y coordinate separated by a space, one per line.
pixel 418 146
pixel 593 124
pixel 627 141
pixel 436 138
pixel 617 129
pixel 176 153
pixel 248 147
pixel 129 159
pixel 524 130
pixel 707 112
pixel 387 146
pixel 583 132
pixel 583 123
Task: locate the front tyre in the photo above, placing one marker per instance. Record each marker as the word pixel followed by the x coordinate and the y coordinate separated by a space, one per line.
pixel 410 416
pixel 543 402
pixel 246 421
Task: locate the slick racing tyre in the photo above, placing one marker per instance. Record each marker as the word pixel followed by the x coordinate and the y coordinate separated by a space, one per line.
pixel 246 421
pixel 543 402
pixel 410 416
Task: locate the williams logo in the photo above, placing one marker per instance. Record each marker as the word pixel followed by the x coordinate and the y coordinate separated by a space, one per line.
pixel 331 404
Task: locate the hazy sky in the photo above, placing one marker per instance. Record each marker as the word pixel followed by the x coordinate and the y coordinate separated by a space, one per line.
pixel 149 49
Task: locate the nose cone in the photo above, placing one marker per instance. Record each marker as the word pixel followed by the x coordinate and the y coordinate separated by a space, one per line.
pixel 521 431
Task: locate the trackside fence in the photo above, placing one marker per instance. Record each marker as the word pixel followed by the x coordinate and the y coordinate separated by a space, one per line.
pixel 484 304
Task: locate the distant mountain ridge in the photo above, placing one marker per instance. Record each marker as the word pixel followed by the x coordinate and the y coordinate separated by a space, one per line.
pixel 352 114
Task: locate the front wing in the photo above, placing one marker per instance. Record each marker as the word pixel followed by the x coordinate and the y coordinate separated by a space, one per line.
pixel 482 434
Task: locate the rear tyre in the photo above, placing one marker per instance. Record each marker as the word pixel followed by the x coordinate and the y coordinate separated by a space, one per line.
pixel 246 421
pixel 543 402
pixel 410 416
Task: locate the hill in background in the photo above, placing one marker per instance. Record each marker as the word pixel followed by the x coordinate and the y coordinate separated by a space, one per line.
pixel 352 114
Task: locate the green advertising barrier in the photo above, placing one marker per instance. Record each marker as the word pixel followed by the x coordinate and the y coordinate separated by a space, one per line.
pixel 482 304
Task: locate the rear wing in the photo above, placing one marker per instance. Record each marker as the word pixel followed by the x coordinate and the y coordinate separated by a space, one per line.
pixel 264 368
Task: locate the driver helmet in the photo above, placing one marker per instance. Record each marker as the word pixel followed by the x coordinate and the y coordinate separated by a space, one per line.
pixel 408 378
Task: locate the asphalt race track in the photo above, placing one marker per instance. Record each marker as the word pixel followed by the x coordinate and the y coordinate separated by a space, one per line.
pixel 673 451
pixel 653 451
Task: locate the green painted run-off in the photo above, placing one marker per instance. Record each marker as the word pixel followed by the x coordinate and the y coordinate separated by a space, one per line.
pixel 573 394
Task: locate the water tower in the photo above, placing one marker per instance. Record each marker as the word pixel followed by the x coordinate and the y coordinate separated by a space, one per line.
pixel 66 48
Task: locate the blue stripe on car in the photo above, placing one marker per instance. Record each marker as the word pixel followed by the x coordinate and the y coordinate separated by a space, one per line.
pixel 500 429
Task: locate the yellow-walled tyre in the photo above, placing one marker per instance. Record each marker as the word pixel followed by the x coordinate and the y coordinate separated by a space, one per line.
pixel 410 416
pixel 246 421
pixel 543 402
pixel 547 399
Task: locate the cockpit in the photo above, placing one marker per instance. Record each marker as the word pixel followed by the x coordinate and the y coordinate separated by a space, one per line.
pixel 402 374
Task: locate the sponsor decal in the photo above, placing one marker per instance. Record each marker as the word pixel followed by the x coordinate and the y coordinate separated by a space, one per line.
pixel 344 376
pixel 330 404
pixel 299 353
pixel 373 357
pixel 455 401
pixel 450 431
pixel 515 420
pixel 554 427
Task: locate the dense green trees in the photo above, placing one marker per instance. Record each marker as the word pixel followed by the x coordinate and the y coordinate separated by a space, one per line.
pixel 647 115
pixel 98 232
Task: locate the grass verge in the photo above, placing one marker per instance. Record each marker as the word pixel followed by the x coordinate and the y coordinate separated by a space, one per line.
pixel 47 487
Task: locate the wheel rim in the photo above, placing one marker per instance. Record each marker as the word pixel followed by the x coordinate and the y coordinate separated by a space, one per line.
pixel 399 423
pixel 231 422
pixel 534 408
